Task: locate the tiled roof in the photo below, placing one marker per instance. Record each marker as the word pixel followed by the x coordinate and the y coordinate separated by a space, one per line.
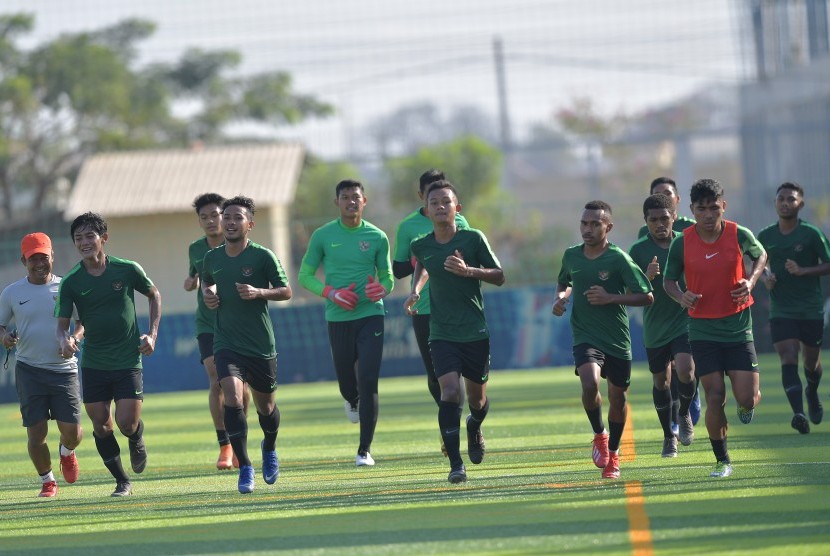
pixel 167 181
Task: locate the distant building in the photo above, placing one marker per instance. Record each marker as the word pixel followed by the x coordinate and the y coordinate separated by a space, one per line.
pixel 146 198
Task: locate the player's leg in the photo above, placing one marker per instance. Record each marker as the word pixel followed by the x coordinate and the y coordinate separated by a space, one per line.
pixel 98 393
pixel 343 342
pixel 784 334
pixel 475 374
pixel 708 367
pixel 230 371
pixel 262 381
pixel 448 367
pixel 675 398
pixel 369 346
pixel 687 387
pixel 420 326
pixel 34 408
pixel 659 364
pixel 741 363
pixel 65 407
pixel 618 376
pixel 129 395
pixel 811 334
pixel 588 361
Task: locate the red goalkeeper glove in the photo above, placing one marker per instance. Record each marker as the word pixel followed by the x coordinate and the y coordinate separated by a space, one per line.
pixel 344 297
pixel 374 290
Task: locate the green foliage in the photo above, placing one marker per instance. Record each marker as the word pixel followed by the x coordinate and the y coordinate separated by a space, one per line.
pixel 471 164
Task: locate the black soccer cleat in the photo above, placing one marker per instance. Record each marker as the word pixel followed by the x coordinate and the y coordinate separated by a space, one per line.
pixel 458 475
pixel 475 442
pixel 138 455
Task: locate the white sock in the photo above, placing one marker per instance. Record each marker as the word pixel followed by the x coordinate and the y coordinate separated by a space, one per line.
pixel 66 451
pixel 47 477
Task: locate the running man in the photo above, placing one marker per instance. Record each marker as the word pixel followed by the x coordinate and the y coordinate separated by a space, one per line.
pixel 665 325
pixel 238 281
pixel 209 210
pixel 798 256
pixel 358 275
pixel 101 288
pixel 47 383
pixel 456 262
pixel 417 224
pixel 710 256
pixel 600 279
pixel 667 186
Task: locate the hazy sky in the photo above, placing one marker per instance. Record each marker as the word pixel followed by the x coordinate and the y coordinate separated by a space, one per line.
pixel 370 57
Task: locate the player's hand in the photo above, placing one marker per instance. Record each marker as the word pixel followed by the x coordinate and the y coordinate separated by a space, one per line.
pixel 409 304
pixel 375 290
pixel 9 340
pixel 740 294
pixel 455 264
pixel 793 268
pixel 769 279
pixel 191 283
pixel 343 297
pixel 560 306
pixel 68 347
pixel 689 299
pixel 147 345
pixel 247 291
pixel 210 297
pixel 597 295
pixel 653 269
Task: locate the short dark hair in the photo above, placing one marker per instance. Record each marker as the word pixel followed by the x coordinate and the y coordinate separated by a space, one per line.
pixel 657 201
pixel 430 176
pixel 442 184
pixel 240 201
pixel 207 199
pixel 347 184
pixel 660 181
pixel 91 220
pixel 598 205
pixel 790 185
pixel 704 189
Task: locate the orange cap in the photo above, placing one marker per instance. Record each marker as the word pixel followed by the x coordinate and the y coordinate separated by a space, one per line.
pixel 37 242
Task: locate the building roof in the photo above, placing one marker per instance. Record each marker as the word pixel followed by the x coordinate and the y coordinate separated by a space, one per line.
pixel 166 181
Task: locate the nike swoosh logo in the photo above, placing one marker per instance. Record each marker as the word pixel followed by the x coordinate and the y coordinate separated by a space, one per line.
pixel 139 392
pixel 217 271
pixel 427 257
pixel 378 333
pixel 754 365
pixel 86 292
pixel 709 256
pixel 24 302
pixel 336 244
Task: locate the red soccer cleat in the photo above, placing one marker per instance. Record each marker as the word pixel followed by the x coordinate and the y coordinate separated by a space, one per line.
pixel 48 490
pixel 69 468
pixel 600 451
pixel 612 470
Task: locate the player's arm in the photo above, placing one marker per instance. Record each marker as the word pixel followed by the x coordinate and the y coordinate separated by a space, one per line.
pixel 404 264
pixel 419 280
pixel 561 298
pixel 192 280
pixel 148 340
pixel 488 271
pixel 7 337
pixel 280 290
pixel 751 247
pixel 68 344
pixel 818 270
pixel 673 273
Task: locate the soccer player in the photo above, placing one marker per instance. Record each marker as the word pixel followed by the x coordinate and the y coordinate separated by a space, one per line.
pixel 238 281
pixel 710 255
pixel 798 256
pixel 101 288
pixel 413 226
pixel 456 261
pixel 667 186
pixel 358 275
pixel 47 383
pixel 665 325
pixel 601 280
pixel 209 210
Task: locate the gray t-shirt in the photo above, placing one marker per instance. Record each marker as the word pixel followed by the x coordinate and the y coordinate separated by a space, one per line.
pixel 30 308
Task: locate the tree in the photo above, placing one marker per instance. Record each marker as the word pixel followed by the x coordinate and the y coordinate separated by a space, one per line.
pixel 83 92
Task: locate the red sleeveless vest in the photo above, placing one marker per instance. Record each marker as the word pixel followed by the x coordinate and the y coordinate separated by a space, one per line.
pixel 713 270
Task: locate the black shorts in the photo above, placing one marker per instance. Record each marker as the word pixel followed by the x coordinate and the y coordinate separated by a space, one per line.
pixel 660 357
pixel 105 386
pixel 45 394
pixel 807 331
pixel 471 359
pixel 712 357
pixel 205 340
pixel 617 371
pixel 259 373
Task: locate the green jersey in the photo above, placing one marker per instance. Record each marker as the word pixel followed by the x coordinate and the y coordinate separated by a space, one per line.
pixel 243 325
pixel 679 225
pixel 205 318
pixel 106 307
pixel 733 328
pixel 349 256
pixel 663 320
pixel 795 297
pixel 602 326
pixel 456 301
pixel 416 225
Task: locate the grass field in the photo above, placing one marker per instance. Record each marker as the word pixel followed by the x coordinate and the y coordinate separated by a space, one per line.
pixel 536 491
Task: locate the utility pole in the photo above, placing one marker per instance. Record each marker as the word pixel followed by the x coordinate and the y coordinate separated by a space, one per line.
pixel 501 90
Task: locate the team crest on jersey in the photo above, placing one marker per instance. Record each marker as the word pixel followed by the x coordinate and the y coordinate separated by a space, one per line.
pixel 798 248
pixel 603 275
pixel 117 285
pixel 364 245
pixel 247 270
